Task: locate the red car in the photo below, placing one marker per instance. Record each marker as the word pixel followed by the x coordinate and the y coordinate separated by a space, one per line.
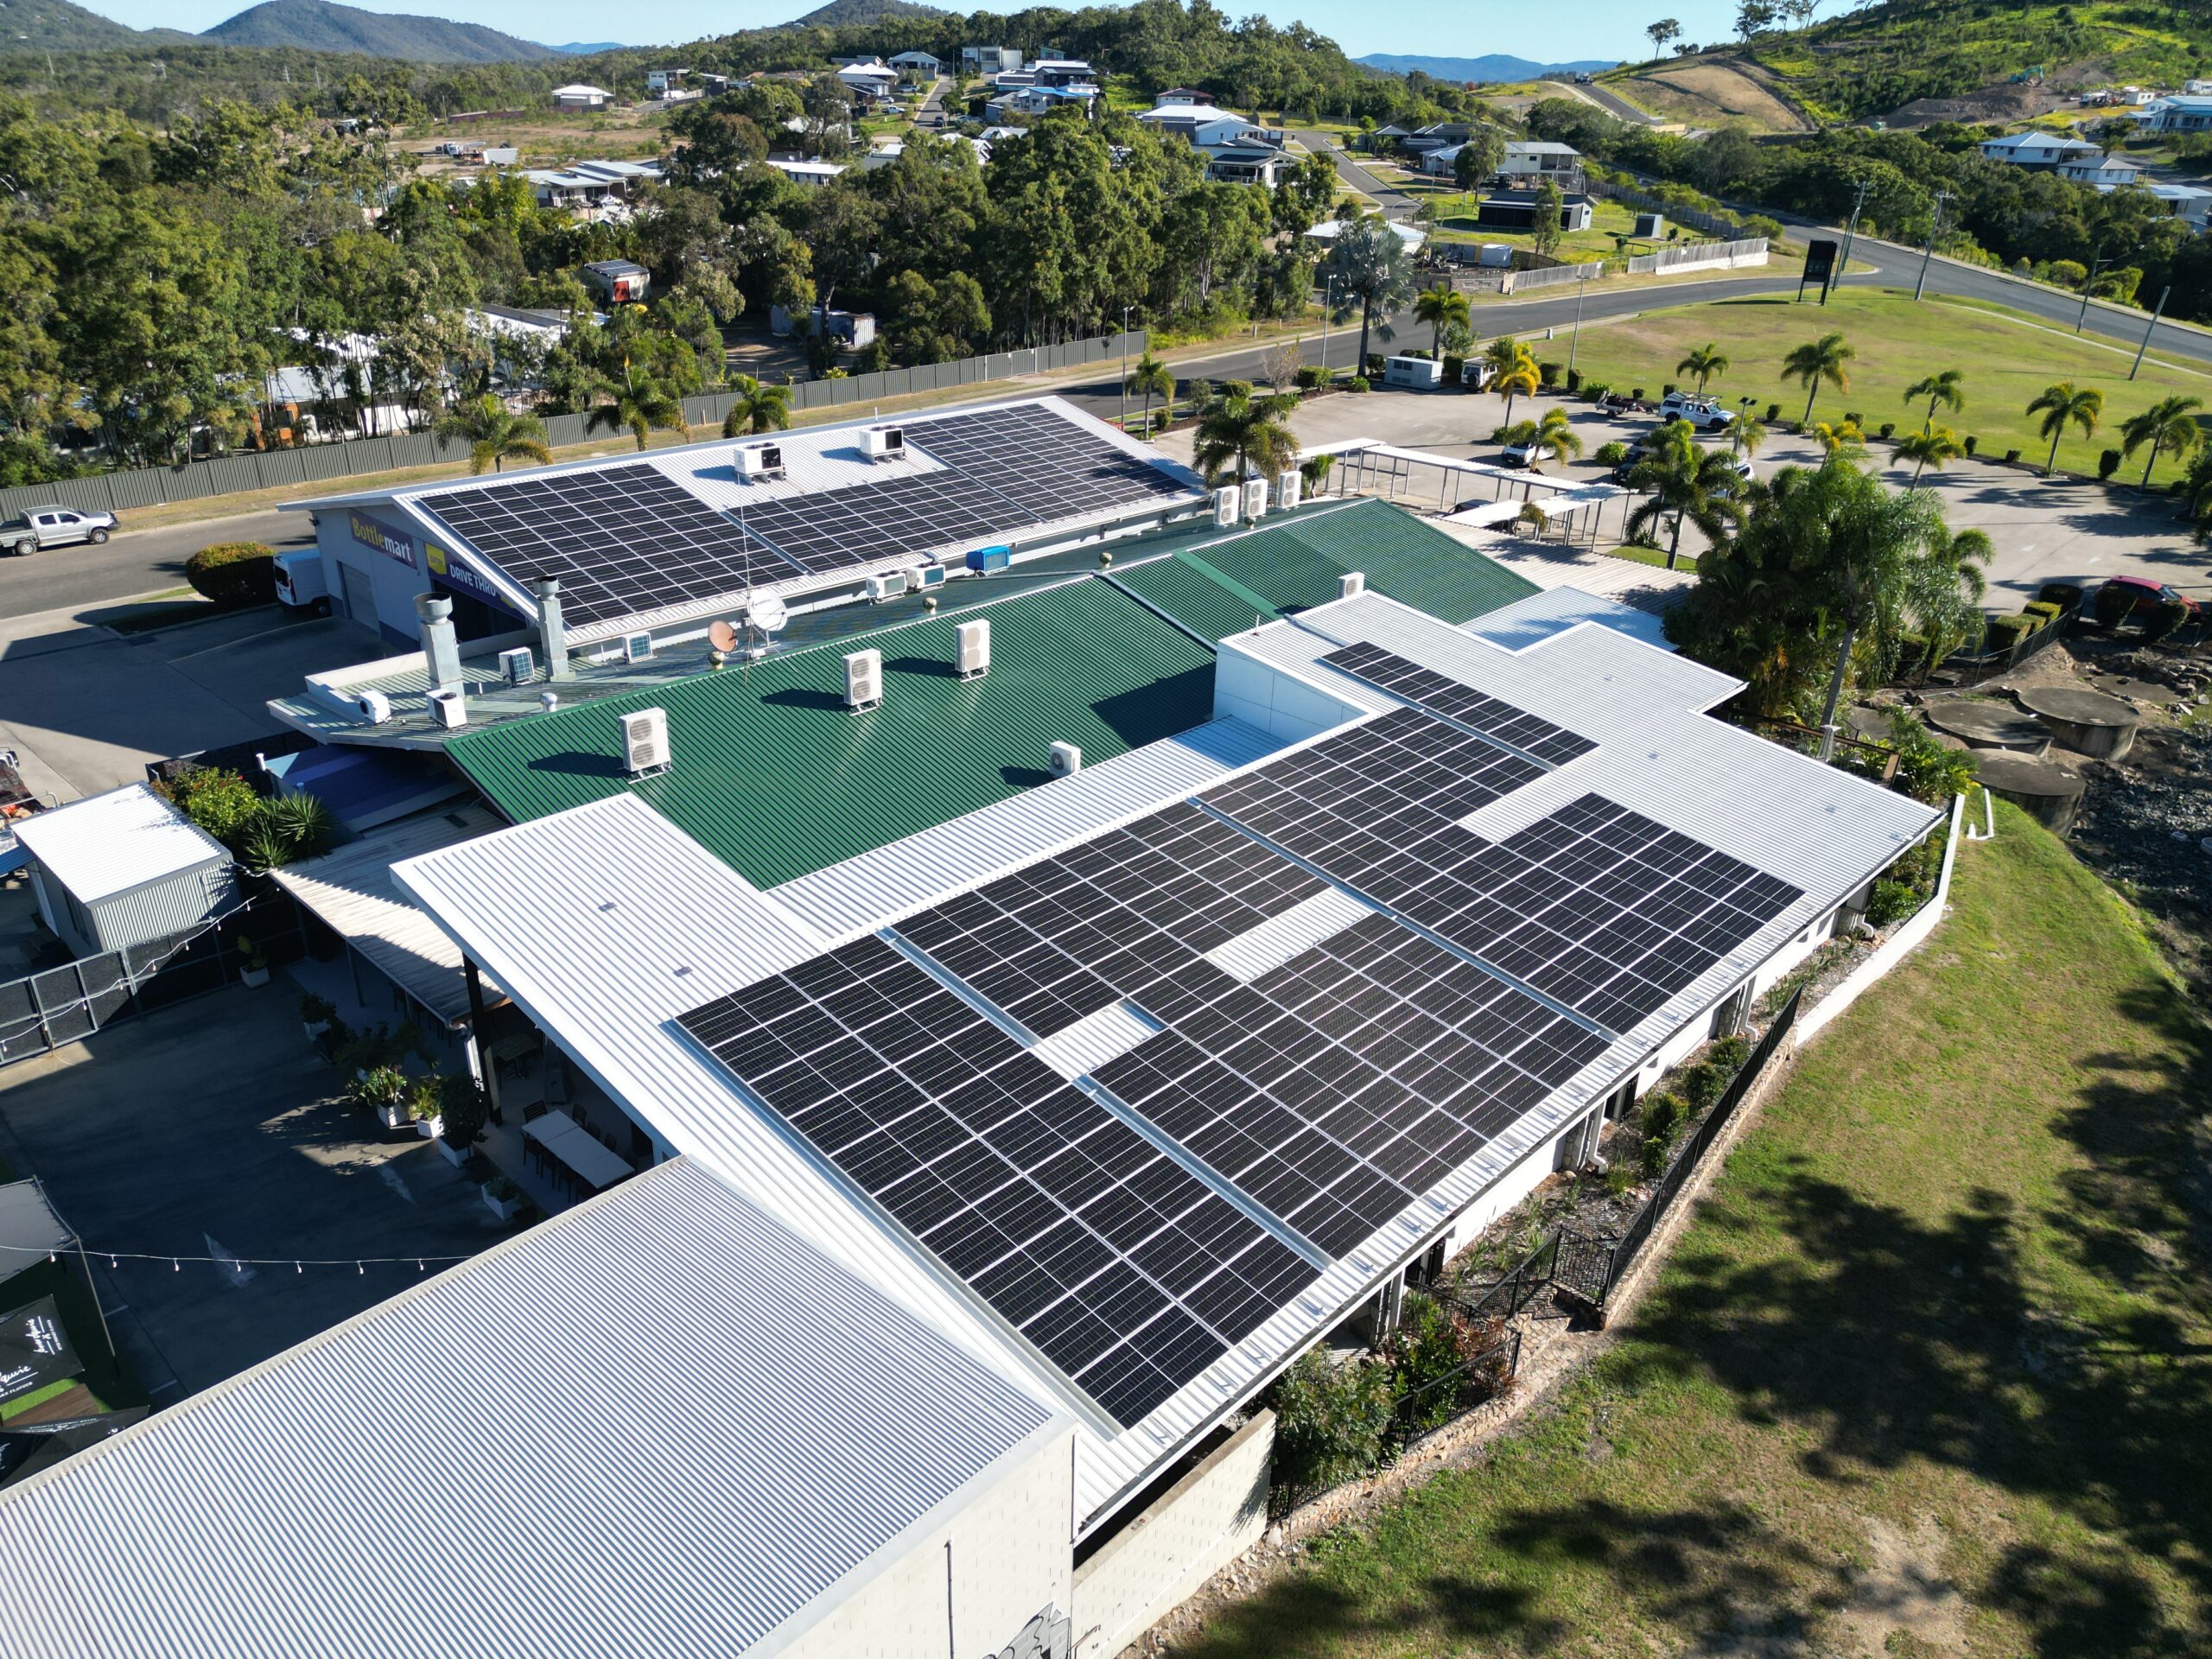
pixel 2142 594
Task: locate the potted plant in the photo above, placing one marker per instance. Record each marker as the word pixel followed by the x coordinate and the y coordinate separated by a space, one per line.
pixel 254 969
pixel 502 1198
pixel 426 1107
pixel 380 1088
pixel 315 1014
pixel 463 1111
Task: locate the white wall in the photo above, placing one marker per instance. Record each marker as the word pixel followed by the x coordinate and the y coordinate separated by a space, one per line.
pixel 393 584
pixel 1176 1543
pixel 1247 688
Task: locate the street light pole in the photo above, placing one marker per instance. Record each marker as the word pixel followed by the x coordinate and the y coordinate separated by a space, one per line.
pixel 1850 232
pixel 1125 367
pixel 2097 263
pixel 1935 227
pixel 1581 287
pixel 2149 328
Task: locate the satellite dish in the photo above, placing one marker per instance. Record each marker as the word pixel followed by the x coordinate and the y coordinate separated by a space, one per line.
pixel 722 636
pixel 768 612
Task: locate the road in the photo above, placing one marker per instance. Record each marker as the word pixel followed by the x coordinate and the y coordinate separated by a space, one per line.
pixel 1393 202
pixel 135 562
pixel 1611 102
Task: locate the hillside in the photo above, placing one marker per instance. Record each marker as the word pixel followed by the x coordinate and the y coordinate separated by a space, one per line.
pixel 847 13
pixel 57 26
pixel 1496 65
pixel 319 26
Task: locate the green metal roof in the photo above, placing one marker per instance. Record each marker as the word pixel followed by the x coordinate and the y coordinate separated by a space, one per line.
pixel 1197 598
pixel 774 776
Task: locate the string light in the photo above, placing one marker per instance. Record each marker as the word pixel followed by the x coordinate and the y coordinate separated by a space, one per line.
pixel 238 1263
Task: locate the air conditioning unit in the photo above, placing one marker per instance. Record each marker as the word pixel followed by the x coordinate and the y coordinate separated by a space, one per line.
pixel 1256 499
pixel 1352 584
pixel 928 576
pixel 449 708
pixel 1290 488
pixel 375 707
pixel 885 587
pixel 972 649
pixel 645 741
pixel 518 667
pixel 637 648
pixel 1067 760
pixel 863 680
pixel 758 459
pixel 884 443
pixel 1225 503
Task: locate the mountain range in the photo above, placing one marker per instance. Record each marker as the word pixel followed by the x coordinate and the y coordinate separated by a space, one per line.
pixel 1496 66
pixel 308 25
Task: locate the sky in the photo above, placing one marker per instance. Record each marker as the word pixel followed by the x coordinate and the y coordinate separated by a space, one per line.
pixel 1461 29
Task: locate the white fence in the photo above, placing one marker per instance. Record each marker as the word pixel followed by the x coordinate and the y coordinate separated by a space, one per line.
pixel 1893 949
pixel 1674 258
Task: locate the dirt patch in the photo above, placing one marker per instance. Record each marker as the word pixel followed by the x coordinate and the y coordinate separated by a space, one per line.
pixel 1707 91
pixel 1902 1603
pixel 2002 100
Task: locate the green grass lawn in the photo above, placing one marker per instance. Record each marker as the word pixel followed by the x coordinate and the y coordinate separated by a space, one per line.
pixel 1929 1373
pixel 2006 361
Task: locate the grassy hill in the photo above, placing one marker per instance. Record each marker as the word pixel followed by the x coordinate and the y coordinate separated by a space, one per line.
pixel 57 26
pixel 319 26
pixel 845 14
pixel 1495 66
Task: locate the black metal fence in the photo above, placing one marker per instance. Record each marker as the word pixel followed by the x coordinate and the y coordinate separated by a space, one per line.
pixel 1973 667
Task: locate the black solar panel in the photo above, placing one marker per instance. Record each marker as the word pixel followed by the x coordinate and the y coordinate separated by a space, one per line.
pixel 1111 918
pixel 1338 1088
pixel 907 512
pixel 1127 1273
pixel 1493 717
pixel 1044 465
pixel 621 539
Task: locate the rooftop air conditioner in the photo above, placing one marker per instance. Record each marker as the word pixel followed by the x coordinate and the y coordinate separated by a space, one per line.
pixel 1067 760
pixel 375 707
pixel 863 680
pixel 1256 499
pixel 1290 488
pixel 885 587
pixel 637 648
pixel 972 649
pixel 1352 584
pixel 1226 500
pixel 758 460
pixel 884 443
pixel 518 667
pixel 928 576
pixel 645 741
pixel 449 708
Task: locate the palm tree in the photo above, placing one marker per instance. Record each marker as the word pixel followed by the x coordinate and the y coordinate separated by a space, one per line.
pixel 1746 435
pixel 643 407
pixel 1929 447
pixel 755 407
pixel 2060 405
pixel 1152 378
pixel 1514 370
pixel 1246 430
pixel 2170 423
pixel 1369 271
pixel 493 435
pixel 1685 479
pixel 1553 435
pixel 1821 359
pixel 1704 361
pixel 1439 307
pixel 1942 387
pixel 1838 437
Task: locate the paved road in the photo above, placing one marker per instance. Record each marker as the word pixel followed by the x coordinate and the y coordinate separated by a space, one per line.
pixel 1611 102
pixel 135 562
pixel 1393 202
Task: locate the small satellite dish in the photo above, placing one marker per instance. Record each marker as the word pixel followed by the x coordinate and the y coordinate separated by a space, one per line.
pixel 768 612
pixel 722 636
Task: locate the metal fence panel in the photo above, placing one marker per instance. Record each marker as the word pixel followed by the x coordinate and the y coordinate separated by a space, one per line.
pixel 59 995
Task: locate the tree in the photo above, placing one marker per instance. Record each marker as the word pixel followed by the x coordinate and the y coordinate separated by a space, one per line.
pixel 1942 387
pixel 1514 370
pixel 1838 437
pixel 1543 219
pixel 1247 430
pixel 1745 434
pixel 2170 423
pixel 494 435
pixel 1664 31
pixel 755 407
pixel 1152 378
pixel 1754 17
pixel 1553 435
pixel 644 407
pixel 1438 308
pixel 1824 358
pixel 1932 446
pixel 1685 481
pixel 1479 158
pixel 1371 272
pixel 1704 361
pixel 2062 405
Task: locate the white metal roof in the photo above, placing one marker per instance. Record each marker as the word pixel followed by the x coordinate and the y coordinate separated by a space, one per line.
pixel 1532 620
pixel 658 1425
pixel 108 844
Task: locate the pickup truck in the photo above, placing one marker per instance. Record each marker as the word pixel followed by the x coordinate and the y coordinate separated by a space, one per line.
pixel 54 527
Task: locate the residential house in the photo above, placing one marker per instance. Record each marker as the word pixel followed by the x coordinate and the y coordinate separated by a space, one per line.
pixel 2103 172
pixel 2183 112
pixel 2043 151
pixel 1517 212
pixel 1528 164
pixel 1065 71
pixel 989 60
pixel 660 82
pixel 582 97
pixel 1203 124
pixel 812 175
pixel 1261 164
pixel 917 68
pixel 2186 202
pixel 1330 229
pixel 592 185
pixel 619 282
pixel 1441 135
pixel 871 82
pixel 1040 100
pixel 1180 95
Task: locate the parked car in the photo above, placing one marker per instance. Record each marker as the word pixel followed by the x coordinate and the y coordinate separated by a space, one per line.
pixel 1519 455
pixel 54 527
pixel 2144 594
pixel 1703 414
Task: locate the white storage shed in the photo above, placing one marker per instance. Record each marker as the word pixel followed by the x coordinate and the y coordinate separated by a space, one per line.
pixel 124 869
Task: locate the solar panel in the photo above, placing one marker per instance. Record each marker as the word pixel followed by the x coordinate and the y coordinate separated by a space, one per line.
pixel 1043 464
pixel 1122 1269
pixel 1478 711
pixel 1067 936
pixel 1338 1088
pixel 621 539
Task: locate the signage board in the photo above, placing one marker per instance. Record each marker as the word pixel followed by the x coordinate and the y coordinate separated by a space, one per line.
pixel 392 543
pixel 34 1350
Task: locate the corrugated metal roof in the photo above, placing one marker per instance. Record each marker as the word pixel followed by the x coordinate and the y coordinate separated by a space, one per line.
pixel 771 773
pixel 1198 599
pixel 1532 620
pixel 107 844
pixel 685 1462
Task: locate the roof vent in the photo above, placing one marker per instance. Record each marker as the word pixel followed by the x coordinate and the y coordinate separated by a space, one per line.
pixel 863 680
pixel 518 667
pixel 1352 584
pixel 1256 499
pixel 1067 760
pixel 757 461
pixel 972 649
pixel 1225 502
pixel 645 741
pixel 1290 488
pixel 884 443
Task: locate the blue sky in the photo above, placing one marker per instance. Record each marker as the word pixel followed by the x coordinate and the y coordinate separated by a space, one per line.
pixel 1464 28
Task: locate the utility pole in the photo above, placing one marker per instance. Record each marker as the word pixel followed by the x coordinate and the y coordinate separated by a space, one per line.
pixel 1125 367
pixel 1581 287
pixel 1935 227
pixel 2097 263
pixel 2149 329
pixel 1850 231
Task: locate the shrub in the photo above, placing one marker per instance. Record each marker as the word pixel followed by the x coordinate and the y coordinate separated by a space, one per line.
pixel 1971 443
pixel 1891 901
pixel 2113 605
pixel 1638 394
pixel 2012 457
pixel 1432 1354
pixel 1885 429
pixel 2170 614
pixel 1454 367
pixel 1663 1115
pixel 1548 372
pixel 216 799
pixel 1358 383
pixel 1375 362
pixel 461 1103
pixel 2108 464
pixel 1773 414
pixel 2006 632
pixel 1312 377
pixel 1611 454
pixel 2044 612
pixel 1666 388
pixel 233 573
pixel 1594 389
pixel 1575 379
pixel 1331 1420
pixel 2064 594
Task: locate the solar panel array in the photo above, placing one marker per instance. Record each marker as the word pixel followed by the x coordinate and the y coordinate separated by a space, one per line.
pixel 1340 1087
pixel 627 539
pixel 621 539
pixel 1478 711
pixel 1126 1272
pixel 1110 919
